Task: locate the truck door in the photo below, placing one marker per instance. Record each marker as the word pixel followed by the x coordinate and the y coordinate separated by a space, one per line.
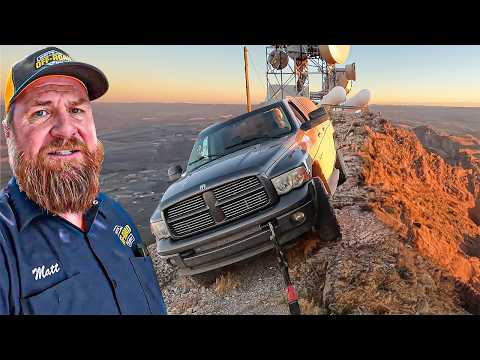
pixel 326 152
pixel 323 151
pixel 300 113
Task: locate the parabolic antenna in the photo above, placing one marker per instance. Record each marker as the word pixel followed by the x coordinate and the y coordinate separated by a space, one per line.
pixel 334 54
pixel 336 96
pixel 278 59
pixel 361 99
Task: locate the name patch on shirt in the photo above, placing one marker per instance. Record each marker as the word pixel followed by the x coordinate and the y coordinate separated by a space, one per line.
pixel 41 272
pixel 125 235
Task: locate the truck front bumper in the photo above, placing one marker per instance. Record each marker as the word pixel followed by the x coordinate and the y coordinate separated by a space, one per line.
pixel 246 237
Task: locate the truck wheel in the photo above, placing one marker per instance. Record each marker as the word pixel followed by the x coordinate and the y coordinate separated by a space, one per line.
pixel 326 225
pixel 340 165
pixel 329 232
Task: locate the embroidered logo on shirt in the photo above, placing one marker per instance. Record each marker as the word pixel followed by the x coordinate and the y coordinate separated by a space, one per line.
pixel 125 235
pixel 41 272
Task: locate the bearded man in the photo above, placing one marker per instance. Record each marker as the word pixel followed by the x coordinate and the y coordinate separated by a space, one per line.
pixel 65 248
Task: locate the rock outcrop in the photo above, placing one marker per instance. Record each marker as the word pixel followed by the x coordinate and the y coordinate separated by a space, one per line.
pixel 383 265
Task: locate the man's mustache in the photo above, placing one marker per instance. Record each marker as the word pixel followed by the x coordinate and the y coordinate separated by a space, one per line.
pixel 63 144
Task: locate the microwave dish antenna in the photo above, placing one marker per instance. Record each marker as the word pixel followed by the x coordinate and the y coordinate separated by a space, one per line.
pixel 290 68
pixel 278 59
pixel 334 54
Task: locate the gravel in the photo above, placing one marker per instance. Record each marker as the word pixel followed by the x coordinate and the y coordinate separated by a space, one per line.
pixel 256 287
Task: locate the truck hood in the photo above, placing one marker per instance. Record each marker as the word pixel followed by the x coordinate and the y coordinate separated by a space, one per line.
pixel 252 160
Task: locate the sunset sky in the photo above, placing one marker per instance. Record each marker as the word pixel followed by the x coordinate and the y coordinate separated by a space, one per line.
pixel 417 75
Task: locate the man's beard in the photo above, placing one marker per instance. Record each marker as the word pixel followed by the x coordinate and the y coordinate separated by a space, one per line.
pixel 59 186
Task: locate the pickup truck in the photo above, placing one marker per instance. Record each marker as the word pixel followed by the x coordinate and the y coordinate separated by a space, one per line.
pixel 275 164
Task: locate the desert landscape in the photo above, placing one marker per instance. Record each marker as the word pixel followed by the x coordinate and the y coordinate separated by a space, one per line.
pixel 452 120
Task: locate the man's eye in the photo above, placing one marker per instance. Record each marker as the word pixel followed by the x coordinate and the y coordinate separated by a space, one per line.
pixel 40 113
pixel 77 111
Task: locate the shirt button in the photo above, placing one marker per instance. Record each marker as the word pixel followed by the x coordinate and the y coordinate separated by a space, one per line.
pixel 95 202
pixel 114 284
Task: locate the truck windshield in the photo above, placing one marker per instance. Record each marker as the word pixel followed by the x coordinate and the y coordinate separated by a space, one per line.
pixel 237 134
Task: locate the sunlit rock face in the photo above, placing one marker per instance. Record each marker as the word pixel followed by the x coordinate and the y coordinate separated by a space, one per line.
pixel 425 198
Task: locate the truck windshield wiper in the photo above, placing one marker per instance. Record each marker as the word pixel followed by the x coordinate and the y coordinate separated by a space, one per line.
pixel 212 156
pixel 246 141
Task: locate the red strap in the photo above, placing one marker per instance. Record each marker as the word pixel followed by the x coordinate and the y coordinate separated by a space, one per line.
pixel 292 294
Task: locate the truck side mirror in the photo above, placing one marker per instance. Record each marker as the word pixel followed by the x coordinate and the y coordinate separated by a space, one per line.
pixel 174 172
pixel 314 118
pixel 318 116
pixel 306 126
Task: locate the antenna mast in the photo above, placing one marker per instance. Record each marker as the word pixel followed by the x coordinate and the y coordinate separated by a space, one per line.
pixel 245 56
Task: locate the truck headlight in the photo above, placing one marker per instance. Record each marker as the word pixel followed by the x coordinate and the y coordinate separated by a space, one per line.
pixel 157 225
pixel 291 180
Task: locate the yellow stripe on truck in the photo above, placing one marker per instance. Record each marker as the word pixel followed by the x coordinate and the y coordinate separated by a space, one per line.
pixel 326 155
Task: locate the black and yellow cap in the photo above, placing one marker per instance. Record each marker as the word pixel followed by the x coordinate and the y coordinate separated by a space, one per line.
pixel 52 61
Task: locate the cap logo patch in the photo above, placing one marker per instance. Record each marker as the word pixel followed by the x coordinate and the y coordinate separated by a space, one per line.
pixel 51 57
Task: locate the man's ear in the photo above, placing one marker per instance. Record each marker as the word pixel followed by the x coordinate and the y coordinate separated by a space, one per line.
pixel 6 129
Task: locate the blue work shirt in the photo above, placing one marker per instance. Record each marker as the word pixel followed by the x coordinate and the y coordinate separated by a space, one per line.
pixel 50 266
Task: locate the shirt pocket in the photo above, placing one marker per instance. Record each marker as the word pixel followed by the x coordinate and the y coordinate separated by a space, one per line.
pixel 143 267
pixel 69 296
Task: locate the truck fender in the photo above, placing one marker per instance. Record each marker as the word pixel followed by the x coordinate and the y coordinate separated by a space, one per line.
pixel 318 173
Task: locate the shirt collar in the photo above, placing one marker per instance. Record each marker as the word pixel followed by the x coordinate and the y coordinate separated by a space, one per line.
pixel 26 210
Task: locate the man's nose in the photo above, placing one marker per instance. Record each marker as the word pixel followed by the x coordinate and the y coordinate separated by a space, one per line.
pixel 63 126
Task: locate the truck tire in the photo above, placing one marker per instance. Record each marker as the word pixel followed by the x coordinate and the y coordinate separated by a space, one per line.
pixel 342 168
pixel 326 225
pixel 329 231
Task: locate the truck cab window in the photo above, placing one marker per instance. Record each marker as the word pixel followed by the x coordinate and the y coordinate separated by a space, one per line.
pixel 297 113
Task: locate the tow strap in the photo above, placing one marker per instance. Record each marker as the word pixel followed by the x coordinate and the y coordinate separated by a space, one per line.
pixel 292 295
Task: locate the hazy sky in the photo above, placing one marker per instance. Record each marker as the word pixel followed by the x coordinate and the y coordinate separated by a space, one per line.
pixel 425 75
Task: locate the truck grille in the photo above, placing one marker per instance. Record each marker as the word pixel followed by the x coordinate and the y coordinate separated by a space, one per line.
pixel 217 206
pixel 186 206
pixel 191 225
pixel 245 205
pixel 225 191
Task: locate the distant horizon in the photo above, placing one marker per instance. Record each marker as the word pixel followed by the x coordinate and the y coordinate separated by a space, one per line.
pixel 396 75
pixel 253 104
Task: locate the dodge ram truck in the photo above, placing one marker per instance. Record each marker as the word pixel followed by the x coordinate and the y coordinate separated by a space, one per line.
pixel 277 163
